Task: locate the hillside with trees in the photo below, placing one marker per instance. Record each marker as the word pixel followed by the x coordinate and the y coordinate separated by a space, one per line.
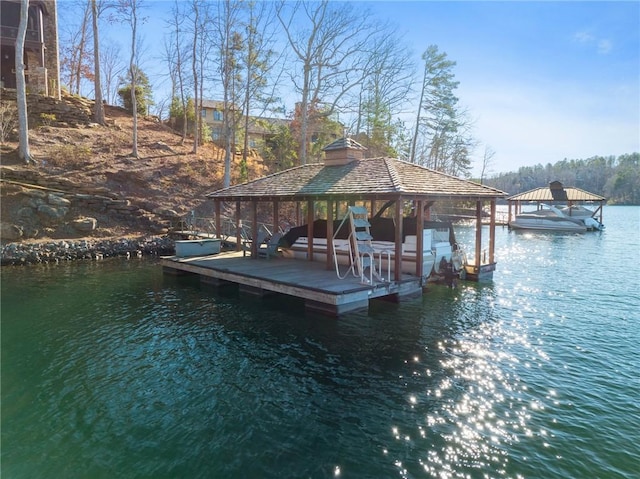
pixel 328 68
pixel 615 178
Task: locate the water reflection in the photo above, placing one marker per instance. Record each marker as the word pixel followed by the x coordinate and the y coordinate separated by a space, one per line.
pixel 119 371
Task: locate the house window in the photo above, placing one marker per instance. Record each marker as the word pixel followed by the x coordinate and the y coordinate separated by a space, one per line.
pixel 217 115
pixel 215 134
pixel 204 113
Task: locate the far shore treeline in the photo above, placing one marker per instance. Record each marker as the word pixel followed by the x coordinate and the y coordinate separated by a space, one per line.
pixel 615 178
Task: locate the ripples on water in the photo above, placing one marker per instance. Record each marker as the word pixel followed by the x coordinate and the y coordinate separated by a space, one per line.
pixel 111 370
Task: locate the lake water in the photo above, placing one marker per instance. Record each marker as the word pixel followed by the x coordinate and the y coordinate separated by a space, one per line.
pixel 112 370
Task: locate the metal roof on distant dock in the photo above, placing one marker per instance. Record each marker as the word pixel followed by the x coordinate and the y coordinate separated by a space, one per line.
pixel 556 192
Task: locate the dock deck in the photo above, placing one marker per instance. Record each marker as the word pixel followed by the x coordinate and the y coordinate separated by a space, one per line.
pixel 320 288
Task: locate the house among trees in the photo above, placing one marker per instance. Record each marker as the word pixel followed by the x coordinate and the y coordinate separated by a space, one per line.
pixel 41 46
pixel 212 112
pixel 261 129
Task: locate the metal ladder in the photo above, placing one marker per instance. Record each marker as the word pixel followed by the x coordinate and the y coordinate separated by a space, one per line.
pixel 360 239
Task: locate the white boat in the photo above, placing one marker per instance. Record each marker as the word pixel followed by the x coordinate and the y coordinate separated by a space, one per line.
pixel 551 218
pixel 585 215
pixel 441 254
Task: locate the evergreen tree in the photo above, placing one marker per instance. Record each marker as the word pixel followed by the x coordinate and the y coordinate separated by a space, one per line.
pixel 441 126
pixel 144 95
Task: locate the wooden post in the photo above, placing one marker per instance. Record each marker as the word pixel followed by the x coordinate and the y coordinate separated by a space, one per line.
pixel 238 227
pixel 276 217
pixel 601 208
pixel 330 217
pixel 509 214
pixel 397 273
pixel 492 232
pixel 478 234
pixel 216 205
pixel 419 238
pixel 254 229
pixel 310 216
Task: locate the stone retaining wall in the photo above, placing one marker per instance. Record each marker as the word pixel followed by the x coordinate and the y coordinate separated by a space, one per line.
pixel 72 109
pixel 52 196
pixel 57 251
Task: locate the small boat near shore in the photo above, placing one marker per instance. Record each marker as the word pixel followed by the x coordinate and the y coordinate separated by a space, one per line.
pixel 551 218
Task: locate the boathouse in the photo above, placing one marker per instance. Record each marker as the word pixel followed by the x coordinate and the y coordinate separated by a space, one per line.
pixel 554 194
pixel 325 190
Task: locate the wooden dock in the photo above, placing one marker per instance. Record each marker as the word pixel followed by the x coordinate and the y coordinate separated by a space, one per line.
pixel 321 289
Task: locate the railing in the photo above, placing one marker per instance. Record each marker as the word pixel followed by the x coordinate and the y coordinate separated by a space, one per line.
pixel 200 226
pixel 12 33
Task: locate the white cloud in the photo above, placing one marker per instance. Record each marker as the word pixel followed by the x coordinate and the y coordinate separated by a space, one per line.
pixel 604 46
pixel 583 37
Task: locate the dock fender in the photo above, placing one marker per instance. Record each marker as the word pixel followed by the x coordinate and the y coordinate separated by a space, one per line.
pixel 457 260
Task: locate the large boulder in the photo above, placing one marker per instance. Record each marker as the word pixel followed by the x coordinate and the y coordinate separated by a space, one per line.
pixel 85 225
pixel 48 212
pixel 36 194
pixel 10 232
pixel 57 200
pixel 166 213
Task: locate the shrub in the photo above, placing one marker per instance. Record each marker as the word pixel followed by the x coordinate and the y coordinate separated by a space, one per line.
pixel 47 119
pixel 70 156
pixel 8 120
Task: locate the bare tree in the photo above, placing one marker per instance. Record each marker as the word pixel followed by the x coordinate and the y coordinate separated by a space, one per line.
pixel 21 87
pixel 112 68
pixel 329 42
pixel 200 20
pixel 98 110
pixel 194 70
pixel 177 57
pixel 128 11
pixel 383 94
pixel 75 58
pixel 81 51
pixel 258 59
pixel 229 43
pixel 487 161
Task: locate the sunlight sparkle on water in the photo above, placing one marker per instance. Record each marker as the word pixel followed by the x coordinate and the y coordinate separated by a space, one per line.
pixel 472 418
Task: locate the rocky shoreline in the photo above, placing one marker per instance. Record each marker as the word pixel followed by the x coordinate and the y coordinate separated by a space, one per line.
pixel 56 251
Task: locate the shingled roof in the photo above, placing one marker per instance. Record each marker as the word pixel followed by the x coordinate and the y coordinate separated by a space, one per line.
pixel 556 192
pixel 371 178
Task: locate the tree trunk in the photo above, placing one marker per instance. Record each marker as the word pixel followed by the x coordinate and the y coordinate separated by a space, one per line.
pixel 414 140
pixel 304 116
pixel 244 174
pixel 21 88
pixel 82 45
pixel 196 25
pixel 98 110
pixel 133 72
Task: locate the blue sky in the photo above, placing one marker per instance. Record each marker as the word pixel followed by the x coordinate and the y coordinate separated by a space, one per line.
pixel 542 81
